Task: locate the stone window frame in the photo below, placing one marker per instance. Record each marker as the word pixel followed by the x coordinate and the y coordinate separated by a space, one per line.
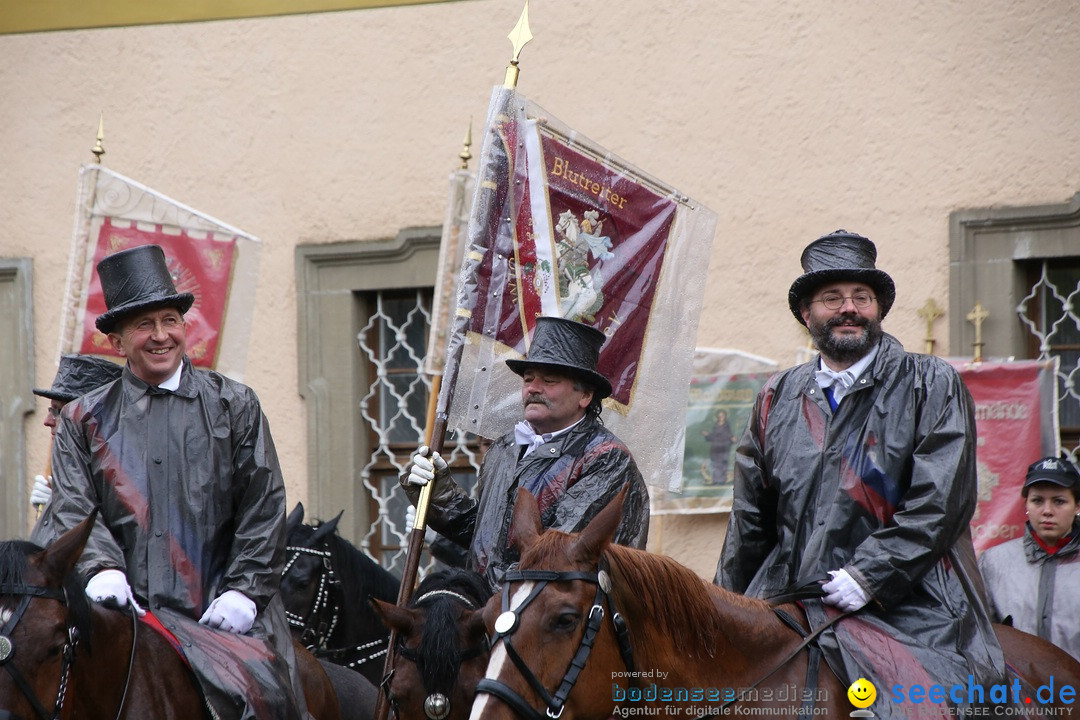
pixel 330 280
pixel 16 391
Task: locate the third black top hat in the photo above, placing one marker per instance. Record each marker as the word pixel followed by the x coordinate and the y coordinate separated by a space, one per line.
pixel 568 345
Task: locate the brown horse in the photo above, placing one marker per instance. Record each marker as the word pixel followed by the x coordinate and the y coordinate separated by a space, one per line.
pixel 442 649
pixel 64 657
pixel 585 630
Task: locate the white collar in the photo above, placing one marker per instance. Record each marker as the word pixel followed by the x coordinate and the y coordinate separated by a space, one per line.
pixel 173 383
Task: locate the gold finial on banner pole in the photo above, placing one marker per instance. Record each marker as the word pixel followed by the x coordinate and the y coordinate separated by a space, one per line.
pixel 976 317
pixel 99 149
pixel 465 155
pixel 929 313
pixel 519 36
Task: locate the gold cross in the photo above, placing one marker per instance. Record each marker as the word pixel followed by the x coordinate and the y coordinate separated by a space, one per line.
pixel 976 317
pixel 930 312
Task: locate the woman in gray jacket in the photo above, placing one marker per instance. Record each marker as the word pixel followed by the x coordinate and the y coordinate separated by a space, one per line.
pixel 1036 579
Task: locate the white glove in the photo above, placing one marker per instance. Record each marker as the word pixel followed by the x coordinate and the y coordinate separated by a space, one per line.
pixel 423 467
pixel 112 584
pixel 42 491
pixel 410 523
pixel 844 592
pixel 232 611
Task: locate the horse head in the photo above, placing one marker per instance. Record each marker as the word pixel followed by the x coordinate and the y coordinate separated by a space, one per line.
pixel 44 613
pixel 442 647
pixel 554 613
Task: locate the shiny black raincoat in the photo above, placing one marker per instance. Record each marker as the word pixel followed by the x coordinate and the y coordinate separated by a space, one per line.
pixel 883 487
pixel 573 477
pixel 192 504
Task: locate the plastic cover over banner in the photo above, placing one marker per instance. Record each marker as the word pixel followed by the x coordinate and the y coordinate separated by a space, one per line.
pixel 215 262
pixel 562 227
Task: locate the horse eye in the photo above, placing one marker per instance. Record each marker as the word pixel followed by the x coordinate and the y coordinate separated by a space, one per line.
pixel 566 621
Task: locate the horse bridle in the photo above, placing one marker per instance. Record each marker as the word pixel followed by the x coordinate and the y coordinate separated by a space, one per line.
pixel 437 704
pixel 322 618
pixel 507 623
pixel 26 593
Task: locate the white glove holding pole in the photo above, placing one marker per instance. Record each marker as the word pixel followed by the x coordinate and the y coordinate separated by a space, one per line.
pixel 232 611
pixel 424 468
pixel 410 523
pixel 42 491
pixel 112 584
pixel 844 592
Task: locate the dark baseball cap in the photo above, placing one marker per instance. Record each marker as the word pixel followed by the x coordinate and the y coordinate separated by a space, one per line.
pixel 1058 471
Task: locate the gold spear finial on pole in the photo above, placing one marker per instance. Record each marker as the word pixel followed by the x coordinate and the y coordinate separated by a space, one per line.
pixel 930 312
pixel 99 149
pixel 465 155
pixel 519 36
pixel 976 317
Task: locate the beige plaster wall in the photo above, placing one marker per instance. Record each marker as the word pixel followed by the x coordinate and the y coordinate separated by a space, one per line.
pixel 790 119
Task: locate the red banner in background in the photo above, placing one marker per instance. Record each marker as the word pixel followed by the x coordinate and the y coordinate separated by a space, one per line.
pixel 201 266
pixel 1016 420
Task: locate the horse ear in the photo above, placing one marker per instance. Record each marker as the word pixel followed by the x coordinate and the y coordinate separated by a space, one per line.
pixel 60 557
pixel 600 532
pixel 401 619
pixel 295 518
pixel 326 529
pixel 473 622
pixel 525 525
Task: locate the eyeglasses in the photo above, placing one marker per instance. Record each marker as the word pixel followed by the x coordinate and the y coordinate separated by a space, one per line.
pixel 54 412
pixel 835 301
pixel 150 325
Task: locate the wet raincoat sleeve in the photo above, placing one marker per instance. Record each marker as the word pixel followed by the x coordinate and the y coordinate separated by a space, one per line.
pixel 74 498
pixel 257 556
pixel 939 502
pixel 753 512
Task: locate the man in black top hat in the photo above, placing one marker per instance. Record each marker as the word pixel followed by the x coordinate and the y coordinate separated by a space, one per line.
pixel 76 375
pixel 182 468
pixel 561 453
pixel 858 470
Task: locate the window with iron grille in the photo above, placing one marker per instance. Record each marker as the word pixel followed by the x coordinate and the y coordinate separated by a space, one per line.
pixel 1050 314
pixel 394 409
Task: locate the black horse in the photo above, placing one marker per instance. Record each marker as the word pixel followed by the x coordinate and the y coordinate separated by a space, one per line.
pixel 442 647
pixel 326 587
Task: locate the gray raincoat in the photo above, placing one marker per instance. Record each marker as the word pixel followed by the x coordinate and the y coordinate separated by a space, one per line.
pixel 192 504
pixel 573 477
pixel 883 487
pixel 1040 591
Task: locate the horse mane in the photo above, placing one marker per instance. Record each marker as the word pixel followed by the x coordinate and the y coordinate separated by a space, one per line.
pixel 660 598
pixel 14 570
pixel 439 656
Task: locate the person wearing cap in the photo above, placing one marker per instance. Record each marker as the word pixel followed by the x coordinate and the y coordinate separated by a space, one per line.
pixel 1035 579
pixel 181 466
pixel 856 475
pixel 560 452
pixel 76 375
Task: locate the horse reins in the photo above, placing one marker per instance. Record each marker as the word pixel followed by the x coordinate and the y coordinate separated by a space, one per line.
pixel 7 648
pixel 507 623
pixel 316 629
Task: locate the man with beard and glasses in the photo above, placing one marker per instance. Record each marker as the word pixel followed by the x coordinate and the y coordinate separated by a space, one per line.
pixel 561 453
pixel 855 482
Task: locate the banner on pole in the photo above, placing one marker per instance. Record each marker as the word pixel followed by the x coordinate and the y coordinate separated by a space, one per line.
pixel 581 234
pixel 1016 416
pixel 215 262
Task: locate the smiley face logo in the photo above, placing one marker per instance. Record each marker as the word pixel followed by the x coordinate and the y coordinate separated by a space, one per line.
pixel 862 693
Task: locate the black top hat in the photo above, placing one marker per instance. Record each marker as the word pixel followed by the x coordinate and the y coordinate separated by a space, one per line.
pixel 137 279
pixel 567 345
pixel 1052 470
pixel 78 375
pixel 836 257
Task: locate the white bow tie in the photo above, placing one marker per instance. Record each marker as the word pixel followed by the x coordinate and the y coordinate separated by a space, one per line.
pixel 828 378
pixel 524 435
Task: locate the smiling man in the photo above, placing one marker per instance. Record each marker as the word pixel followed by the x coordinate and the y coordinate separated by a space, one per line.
pixel 181 466
pixel 561 453
pixel 857 475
